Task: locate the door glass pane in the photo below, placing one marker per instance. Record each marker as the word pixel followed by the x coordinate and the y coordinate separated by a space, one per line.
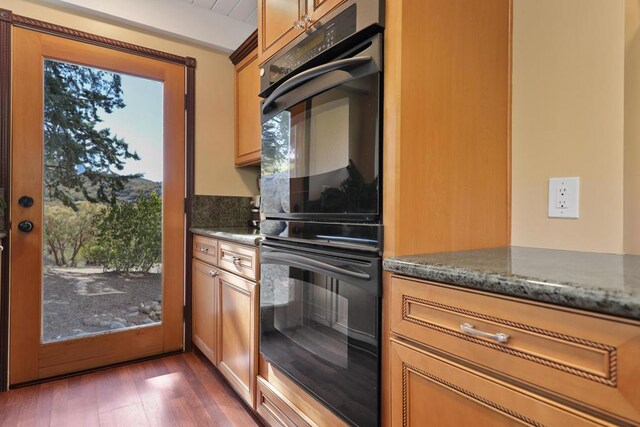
pixel 102 242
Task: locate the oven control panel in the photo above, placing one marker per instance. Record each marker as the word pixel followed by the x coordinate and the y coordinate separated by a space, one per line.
pixel 328 35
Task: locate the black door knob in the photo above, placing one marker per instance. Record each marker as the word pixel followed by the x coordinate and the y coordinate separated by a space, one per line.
pixel 25 201
pixel 25 226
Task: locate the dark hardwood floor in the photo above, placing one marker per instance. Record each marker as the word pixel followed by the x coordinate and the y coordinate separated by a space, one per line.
pixel 181 390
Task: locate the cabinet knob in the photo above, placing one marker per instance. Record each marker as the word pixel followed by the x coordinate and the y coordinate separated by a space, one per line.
pixel 261 72
pixel 299 25
pixel 307 19
pixel 213 273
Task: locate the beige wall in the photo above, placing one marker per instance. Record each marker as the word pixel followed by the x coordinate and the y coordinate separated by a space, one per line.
pixel 214 170
pixel 568 100
pixel 632 130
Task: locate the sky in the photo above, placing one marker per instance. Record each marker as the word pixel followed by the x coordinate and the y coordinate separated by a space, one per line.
pixel 140 124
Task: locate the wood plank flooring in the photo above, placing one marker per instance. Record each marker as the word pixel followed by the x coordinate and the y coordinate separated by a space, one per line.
pixel 181 390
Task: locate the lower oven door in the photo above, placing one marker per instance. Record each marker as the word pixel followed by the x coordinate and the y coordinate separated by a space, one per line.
pixel 320 324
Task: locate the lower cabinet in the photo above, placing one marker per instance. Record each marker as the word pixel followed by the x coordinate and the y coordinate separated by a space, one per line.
pixel 225 318
pixel 238 333
pixel 204 302
pixel 427 389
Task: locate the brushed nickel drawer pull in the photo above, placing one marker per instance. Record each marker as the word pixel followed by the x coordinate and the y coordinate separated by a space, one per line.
pixel 213 273
pixel 203 249
pixel 468 328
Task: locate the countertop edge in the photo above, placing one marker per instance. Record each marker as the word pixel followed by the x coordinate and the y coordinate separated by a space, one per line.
pixel 566 295
pixel 245 239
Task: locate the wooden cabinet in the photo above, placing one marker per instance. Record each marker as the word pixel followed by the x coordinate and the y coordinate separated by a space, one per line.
pixel 238 333
pixel 316 9
pixel 248 129
pixel 431 390
pixel 585 360
pixel 225 311
pixel 281 21
pixel 204 302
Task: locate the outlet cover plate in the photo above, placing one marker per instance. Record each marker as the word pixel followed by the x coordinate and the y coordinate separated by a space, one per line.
pixel 564 197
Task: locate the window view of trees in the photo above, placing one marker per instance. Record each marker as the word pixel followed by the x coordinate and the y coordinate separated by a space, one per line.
pixel 102 226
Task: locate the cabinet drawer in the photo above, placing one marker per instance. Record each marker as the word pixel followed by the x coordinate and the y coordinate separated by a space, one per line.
pixel 582 356
pixel 205 249
pixel 427 387
pixel 274 409
pixel 238 259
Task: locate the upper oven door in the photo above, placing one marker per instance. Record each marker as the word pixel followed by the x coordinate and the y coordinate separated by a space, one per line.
pixel 321 141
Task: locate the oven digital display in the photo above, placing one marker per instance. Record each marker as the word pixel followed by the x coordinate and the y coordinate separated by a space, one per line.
pixel 334 31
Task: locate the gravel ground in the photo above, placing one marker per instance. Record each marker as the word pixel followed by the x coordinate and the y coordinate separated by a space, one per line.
pixel 82 301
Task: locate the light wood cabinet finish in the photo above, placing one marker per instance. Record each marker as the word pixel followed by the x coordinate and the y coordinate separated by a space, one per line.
pixel 588 358
pixel 447 106
pixel 205 249
pixel 238 333
pixel 277 25
pixel 316 9
pixel 204 303
pixel 431 390
pixel 238 259
pixel 248 138
pixel 294 400
pixel 274 408
pixel 225 311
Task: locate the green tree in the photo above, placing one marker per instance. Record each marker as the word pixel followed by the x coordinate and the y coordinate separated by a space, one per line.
pixel 79 157
pixel 130 235
pixel 67 232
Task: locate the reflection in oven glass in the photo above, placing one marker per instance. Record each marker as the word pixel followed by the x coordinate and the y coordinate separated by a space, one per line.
pixel 323 333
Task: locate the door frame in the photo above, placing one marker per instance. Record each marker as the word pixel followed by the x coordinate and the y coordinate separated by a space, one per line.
pixel 8 20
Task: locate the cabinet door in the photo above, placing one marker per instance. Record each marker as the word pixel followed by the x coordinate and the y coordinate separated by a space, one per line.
pixel 248 127
pixel 316 9
pixel 238 333
pixel 279 22
pixel 430 390
pixel 204 302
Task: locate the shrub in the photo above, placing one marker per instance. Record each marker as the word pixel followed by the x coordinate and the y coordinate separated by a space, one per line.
pixel 130 235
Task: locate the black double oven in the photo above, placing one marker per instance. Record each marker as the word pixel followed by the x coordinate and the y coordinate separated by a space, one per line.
pixel 320 289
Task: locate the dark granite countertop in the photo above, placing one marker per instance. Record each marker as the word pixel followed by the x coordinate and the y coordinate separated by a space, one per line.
pixel 603 283
pixel 243 235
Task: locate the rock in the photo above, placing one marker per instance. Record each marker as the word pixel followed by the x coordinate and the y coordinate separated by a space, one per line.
pixel 105 323
pixel 132 314
pixel 117 325
pixel 92 321
pixel 119 319
pixel 78 332
pixel 147 321
pixel 155 306
pixel 133 308
pixel 145 309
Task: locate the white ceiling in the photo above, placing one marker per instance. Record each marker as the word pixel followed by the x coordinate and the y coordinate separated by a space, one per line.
pixel 224 25
pixel 241 10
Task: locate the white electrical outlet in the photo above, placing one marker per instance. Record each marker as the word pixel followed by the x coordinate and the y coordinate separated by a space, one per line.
pixel 564 197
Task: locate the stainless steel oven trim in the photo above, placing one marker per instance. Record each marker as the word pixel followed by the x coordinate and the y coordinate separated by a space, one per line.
pixel 368 56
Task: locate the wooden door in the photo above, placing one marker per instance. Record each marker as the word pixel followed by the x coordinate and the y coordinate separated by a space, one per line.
pixel 238 333
pixel 279 22
pixel 248 126
pixel 205 308
pixel 316 9
pixel 89 73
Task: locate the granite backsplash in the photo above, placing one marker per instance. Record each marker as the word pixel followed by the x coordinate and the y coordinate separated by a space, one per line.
pixel 220 211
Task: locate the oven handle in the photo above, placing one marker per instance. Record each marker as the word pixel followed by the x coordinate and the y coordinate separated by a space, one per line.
pixel 301 261
pixel 294 82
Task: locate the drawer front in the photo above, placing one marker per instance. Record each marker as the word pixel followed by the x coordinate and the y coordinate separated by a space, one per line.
pixel 205 249
pixel 274 409
pixel 584 357
pixel 427 387
pixel 238 259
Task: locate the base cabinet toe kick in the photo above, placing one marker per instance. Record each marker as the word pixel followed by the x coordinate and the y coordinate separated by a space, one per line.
pixel 458 356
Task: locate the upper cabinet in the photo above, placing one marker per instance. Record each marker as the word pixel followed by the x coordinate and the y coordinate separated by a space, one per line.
pixel 247 103
pixel 281 21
